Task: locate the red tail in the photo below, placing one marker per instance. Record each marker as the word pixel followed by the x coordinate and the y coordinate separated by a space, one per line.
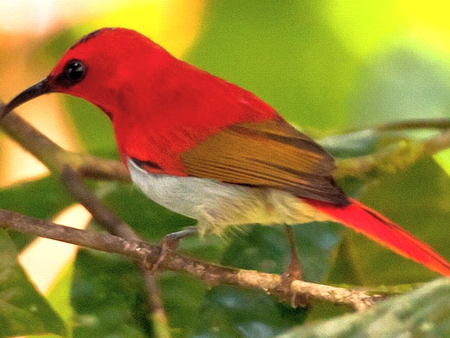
pixel 380 229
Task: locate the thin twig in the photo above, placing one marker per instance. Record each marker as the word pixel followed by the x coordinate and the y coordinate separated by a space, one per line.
pixel 389 159
pixel 55 157
pixel 211 274
pixel 104 216
pixel 440 123
pixel 400 155
pixel 432 123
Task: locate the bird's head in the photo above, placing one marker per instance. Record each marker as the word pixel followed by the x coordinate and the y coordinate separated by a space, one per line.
pixel 99 68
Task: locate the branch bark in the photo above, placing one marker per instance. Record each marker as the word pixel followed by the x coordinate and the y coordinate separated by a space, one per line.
pixel 55 157
pixel 212 274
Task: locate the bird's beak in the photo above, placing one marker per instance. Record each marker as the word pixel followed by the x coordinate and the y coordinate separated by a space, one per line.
pixel 38 89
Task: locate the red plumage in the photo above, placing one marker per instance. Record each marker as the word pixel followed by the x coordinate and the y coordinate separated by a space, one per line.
pixel 382 230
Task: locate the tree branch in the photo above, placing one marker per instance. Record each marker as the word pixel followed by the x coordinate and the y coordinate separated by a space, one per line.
pixel 400 155
pixel 432 123
pixel 55 157
pixel 389 159
pixel 211 274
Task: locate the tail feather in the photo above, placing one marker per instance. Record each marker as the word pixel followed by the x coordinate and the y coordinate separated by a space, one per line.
pixel 380 229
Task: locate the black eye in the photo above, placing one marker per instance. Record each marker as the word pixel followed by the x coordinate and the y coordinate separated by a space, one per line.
pixel 74 72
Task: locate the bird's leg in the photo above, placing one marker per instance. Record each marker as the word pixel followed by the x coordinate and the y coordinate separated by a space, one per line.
pixel 294 270
pixel 171 241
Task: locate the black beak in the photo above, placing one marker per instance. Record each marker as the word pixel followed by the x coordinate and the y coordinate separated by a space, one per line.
pixel 38 89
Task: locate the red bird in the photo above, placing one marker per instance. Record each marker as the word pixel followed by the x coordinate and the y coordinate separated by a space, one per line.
pixel 208 149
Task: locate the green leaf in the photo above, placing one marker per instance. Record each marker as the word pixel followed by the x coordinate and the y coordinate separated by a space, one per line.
pixel 59 298
pixel 41 198
pixel 421 313
pixel 108 297
pixel 232 312
pixel 183 298
pixel 443 159
pixel 23 310
pixel 266 249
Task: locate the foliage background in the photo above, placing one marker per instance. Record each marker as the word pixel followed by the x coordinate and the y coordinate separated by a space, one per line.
pixel 326 66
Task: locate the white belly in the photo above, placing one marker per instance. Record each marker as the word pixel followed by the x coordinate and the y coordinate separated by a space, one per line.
pixel 216 205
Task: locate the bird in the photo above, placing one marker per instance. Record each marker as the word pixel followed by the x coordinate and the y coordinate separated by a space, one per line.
pixel 209 149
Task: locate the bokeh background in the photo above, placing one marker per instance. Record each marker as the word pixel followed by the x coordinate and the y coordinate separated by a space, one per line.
pixel 327 66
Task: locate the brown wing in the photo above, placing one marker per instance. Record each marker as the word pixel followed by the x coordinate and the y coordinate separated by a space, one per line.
pixel 270 154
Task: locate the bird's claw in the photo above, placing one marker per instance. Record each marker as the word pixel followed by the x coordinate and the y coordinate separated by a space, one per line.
pixel 170 243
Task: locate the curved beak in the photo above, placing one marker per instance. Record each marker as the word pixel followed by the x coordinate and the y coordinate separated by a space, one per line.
pixel 38 89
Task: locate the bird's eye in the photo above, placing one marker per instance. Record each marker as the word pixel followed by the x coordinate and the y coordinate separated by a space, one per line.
pixel 74 72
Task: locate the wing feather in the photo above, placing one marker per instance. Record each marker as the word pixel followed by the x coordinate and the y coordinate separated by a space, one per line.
pixel 270 154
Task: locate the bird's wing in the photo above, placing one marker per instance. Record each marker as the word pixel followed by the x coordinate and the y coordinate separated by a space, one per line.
pixel 270 154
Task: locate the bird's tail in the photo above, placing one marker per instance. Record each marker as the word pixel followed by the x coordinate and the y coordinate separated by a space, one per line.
pixel 380 229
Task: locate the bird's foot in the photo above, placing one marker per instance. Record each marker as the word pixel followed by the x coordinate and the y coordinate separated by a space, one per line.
pixel 291 274
pixel 170 243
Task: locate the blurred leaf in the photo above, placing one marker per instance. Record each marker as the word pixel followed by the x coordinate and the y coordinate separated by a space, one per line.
pixel 346 269
pixel 60 294
pixel 59 298
pixel 424 312
pixel 234 312
pixel 443 159
pixel 108 297
pixel 23 310
pixel 363 26
pixel 231 312
pixel 183 297
pixel 266 249
pixel 41 198
pixel 110 300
